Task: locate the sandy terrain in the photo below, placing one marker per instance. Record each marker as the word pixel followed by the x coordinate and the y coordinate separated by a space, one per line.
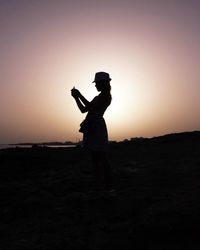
pixel 46 203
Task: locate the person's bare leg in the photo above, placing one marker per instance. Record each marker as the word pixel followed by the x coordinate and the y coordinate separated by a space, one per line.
pixel 107 172
pixel 98 171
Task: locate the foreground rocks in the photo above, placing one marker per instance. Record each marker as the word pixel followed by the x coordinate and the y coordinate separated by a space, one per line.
pixel 46 204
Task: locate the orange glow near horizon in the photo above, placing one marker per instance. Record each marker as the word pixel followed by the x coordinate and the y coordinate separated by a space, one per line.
pixel 47 49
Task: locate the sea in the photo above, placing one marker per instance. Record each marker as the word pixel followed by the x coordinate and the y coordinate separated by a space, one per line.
pixel 4 146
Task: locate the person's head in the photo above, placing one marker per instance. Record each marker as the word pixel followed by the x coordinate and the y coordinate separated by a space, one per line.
pixel 102 81
pixel 103 85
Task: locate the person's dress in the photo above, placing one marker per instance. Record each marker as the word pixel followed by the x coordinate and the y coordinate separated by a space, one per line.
pixel 95 138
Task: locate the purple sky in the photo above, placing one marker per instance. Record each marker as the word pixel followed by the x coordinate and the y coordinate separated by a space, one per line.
pixel 150 48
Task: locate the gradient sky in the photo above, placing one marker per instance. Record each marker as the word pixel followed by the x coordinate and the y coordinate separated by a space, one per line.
pixel 150 48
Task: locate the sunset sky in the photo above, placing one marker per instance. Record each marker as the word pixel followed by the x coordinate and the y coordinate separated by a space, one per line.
pixel 150 48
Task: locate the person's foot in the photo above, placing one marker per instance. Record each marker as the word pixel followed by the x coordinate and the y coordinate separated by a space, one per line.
pixel 109 193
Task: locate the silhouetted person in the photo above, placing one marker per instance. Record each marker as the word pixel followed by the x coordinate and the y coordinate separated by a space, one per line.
pixel 95 136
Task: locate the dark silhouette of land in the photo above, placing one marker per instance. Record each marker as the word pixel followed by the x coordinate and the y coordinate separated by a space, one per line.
pixel 53 143
pixel 45 203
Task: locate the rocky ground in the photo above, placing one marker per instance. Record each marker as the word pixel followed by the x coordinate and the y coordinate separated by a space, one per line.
pixel 46 204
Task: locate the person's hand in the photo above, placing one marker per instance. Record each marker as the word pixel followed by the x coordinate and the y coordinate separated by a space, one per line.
pixel 75 92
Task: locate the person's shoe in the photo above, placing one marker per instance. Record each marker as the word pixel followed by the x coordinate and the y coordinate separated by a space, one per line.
pixel 109 193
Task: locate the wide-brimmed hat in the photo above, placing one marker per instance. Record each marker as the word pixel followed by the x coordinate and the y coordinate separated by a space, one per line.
pixel 100 76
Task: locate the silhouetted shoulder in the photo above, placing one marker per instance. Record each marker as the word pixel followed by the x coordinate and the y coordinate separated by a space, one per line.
pixel 100 102
pixel 105 98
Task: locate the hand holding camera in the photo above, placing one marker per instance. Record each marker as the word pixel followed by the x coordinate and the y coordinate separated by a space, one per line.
pixel 75 92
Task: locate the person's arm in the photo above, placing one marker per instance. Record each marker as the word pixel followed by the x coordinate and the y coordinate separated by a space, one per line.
pixel 83 100
pixel 81 107
pixel 82 103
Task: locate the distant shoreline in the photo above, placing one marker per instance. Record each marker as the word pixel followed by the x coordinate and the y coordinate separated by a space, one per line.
pixel 6 146
pixel 173 137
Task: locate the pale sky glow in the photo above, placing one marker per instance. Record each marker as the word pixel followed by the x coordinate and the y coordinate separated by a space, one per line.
pixel 150 48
